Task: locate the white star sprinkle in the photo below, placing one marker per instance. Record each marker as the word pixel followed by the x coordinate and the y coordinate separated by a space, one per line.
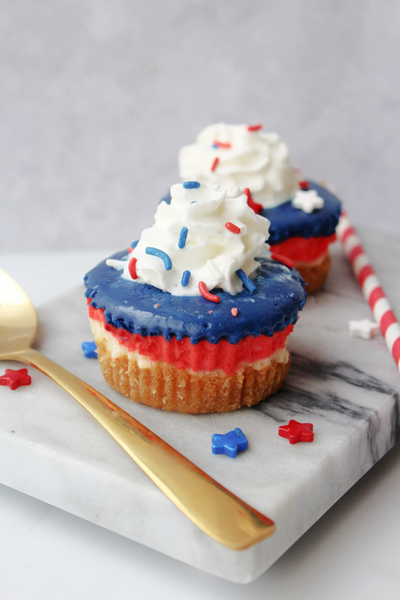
pixel 365 329
pixel 307 200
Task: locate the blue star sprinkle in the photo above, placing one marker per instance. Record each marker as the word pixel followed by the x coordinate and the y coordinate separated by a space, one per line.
pixel 89 349
pixel 229 443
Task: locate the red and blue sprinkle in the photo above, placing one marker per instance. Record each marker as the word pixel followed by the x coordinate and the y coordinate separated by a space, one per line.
pixel 232 228
pixel 247 282
pixel 221 145
pixel 132 268
pixel 215 163
pixel 206 294
pixel 160 254
pixel 182 237
pixel 185 278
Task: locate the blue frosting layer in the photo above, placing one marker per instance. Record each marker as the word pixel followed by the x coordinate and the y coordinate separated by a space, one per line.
pixel 288 221
pixel 131 305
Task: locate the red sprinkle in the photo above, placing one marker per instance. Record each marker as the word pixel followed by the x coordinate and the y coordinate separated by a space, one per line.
pixel 297 432
pixel 303 185
pixel 132 268
pixel 254 127
pixel 14 378
pixel 222 144
pixel 254 205
pixel 206 294
pixel 231 227
pixel 234 312
pixel 130 249
pixel 283 259
pixel 214 165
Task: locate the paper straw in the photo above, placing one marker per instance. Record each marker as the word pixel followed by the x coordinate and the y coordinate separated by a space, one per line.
pixel 370 286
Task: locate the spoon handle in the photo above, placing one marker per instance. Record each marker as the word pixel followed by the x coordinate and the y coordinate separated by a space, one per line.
pixel 216 511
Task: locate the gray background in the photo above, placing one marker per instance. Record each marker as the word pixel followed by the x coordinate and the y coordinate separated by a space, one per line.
pixel 97 97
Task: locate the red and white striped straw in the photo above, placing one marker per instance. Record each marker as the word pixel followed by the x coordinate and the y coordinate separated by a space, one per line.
pixel 370 286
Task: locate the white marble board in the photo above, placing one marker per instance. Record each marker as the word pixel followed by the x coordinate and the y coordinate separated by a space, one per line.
pixel 50 448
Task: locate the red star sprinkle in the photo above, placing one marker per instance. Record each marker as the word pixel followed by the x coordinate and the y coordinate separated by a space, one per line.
pixel 15 378
pixel 297 432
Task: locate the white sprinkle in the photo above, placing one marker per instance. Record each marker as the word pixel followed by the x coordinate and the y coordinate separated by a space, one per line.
pixel 365 329
pixel 307 200
pixel 116 264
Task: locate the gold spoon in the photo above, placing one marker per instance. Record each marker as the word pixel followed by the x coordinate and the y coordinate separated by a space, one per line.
pixel 216 511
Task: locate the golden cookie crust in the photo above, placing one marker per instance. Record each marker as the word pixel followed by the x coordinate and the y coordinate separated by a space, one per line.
pixel 315 273
pixel 164 386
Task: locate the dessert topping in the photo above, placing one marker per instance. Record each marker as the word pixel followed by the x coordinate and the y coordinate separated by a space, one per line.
pixel 247 157
pixel 204 236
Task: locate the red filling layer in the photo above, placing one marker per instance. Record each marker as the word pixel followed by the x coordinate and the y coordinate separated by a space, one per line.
pixel 203 356
pixel 301 249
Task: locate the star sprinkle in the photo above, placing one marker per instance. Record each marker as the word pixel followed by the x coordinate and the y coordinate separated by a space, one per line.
pixel 307 201
pixel 297 432
pixel 89 349
pixel 229 443
pixel 364 329
pixel 14 378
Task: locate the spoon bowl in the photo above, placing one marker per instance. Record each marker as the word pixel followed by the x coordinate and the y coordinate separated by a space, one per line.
pixel 18 320
pixel 215 510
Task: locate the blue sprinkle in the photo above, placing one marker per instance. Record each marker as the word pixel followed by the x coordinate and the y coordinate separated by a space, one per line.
pixel 247 282
pixel 160 254
pixel 194 202
pixel 191 185
pixel 215 145
pixel 182 237
pixel 89 349
pixel 229 443
pixel 185 278
pixel 134 244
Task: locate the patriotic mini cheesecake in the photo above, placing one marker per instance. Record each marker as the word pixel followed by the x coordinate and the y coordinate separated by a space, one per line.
pixel 303 215
pixel 195 316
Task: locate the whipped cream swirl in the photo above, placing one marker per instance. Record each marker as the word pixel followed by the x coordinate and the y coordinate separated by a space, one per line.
pixel 246 158
pixel 203 235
